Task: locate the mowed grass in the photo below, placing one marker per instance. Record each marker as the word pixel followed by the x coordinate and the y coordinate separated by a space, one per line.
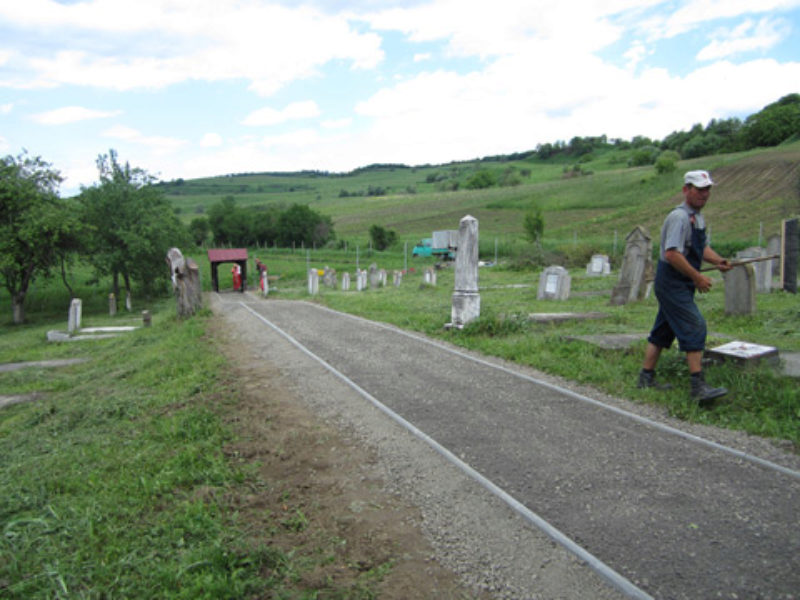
pixel 115 481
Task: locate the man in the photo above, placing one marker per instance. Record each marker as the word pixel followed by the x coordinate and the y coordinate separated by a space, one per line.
pixel 683 249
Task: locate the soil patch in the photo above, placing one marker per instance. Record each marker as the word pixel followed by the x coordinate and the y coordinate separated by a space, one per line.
pixel 319 494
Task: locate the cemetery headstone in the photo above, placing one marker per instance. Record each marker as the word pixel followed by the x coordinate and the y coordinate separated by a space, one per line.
pixel 345 281
pixel 790 240
pixel 773 249
pixel 466 301
pixel 554 284
pixel 264 283
pixel 382 277
pixel 329 277
pixel 636 270
pixel 313 282
pixel 147 318
pixel 762 269
pixel 598 266
pixel 374 276
pixel 74 318
pixel 128 303
pixel 740 290
pixel 397 278
pixel 430 276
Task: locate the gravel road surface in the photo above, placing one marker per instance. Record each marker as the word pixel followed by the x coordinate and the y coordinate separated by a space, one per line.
pixel 668 516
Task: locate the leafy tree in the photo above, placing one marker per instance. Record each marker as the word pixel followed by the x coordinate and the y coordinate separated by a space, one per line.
pixel 533 224
pixel 482 179
pixel 229 223
pixel 301 225
pixel 37 228
pixel 132 225
pixel 667 162
pixel 774 124
pixel 199 230
pixel 381 237
pixel 643 155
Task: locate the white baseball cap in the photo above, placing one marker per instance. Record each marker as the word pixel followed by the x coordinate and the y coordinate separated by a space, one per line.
pixel 699 179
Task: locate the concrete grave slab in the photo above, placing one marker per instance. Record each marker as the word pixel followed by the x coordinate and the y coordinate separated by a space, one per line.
pixel 744 353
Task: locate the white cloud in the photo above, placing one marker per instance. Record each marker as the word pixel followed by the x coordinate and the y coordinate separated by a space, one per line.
pixel 72 114
pixel 338 123
pixel 211 140
pixel 696 13
pixel 747 37
pixel 6 108
pixel 159 145
pixel 422 56
pixel 307 109
pixel 267 44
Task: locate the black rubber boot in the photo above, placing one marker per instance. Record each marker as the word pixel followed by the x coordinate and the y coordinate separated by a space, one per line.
pixel 703 393
pixel 647 379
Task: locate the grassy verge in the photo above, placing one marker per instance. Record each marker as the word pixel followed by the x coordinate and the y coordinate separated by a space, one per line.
pixel 115 482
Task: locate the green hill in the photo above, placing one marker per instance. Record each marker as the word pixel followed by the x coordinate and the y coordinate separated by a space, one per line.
pixel 589 203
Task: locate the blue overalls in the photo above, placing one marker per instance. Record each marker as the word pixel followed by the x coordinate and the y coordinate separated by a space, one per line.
pixel 678 315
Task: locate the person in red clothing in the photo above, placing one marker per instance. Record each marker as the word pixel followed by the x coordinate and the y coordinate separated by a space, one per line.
pixel 237 277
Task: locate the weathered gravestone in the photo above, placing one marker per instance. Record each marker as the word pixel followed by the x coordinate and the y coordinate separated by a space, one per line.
pixel 740 290
pixel 790 239
pixel 430 276
pixel 329 277
pixel 264 282
pixel 466 302
pixel 762 269
pixel 774 249
pixel 313 282
pixel 361 280
pixel 598 266
pixel 74 317
pixel 554 284
pixel 374 276
pixel 345 282
pixel 636 270
pixel 185 283
pixel 397 278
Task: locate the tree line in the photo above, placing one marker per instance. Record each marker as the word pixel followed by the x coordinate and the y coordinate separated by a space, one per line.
pixel 122 226
pixel 775 124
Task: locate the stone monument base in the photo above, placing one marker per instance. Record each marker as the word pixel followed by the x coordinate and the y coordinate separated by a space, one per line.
pixel 466 308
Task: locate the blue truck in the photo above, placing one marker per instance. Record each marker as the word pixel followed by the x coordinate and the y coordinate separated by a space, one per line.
pixel 443 244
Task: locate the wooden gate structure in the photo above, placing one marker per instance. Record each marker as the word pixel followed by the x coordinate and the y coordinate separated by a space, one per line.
pixel 216 256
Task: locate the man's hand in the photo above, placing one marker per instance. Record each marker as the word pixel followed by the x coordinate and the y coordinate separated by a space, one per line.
pixel 702 282
pixel 724 265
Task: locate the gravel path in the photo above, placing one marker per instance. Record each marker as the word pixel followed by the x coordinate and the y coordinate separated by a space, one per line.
pixel 676 518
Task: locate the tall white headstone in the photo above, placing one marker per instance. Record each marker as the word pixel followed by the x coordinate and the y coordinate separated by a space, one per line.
pixel 74 320
pixel 466 304
pixel 313 282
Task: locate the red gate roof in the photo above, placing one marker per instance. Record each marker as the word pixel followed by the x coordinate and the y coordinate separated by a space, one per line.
pixel 227 254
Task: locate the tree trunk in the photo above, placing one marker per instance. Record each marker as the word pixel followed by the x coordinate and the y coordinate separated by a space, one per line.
pixel 18 307
pixel 64 278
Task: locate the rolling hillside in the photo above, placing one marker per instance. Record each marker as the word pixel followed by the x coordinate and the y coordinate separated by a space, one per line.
pixel 756 187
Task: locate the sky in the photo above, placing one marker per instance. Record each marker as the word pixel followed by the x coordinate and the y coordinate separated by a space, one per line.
pixel 196 88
